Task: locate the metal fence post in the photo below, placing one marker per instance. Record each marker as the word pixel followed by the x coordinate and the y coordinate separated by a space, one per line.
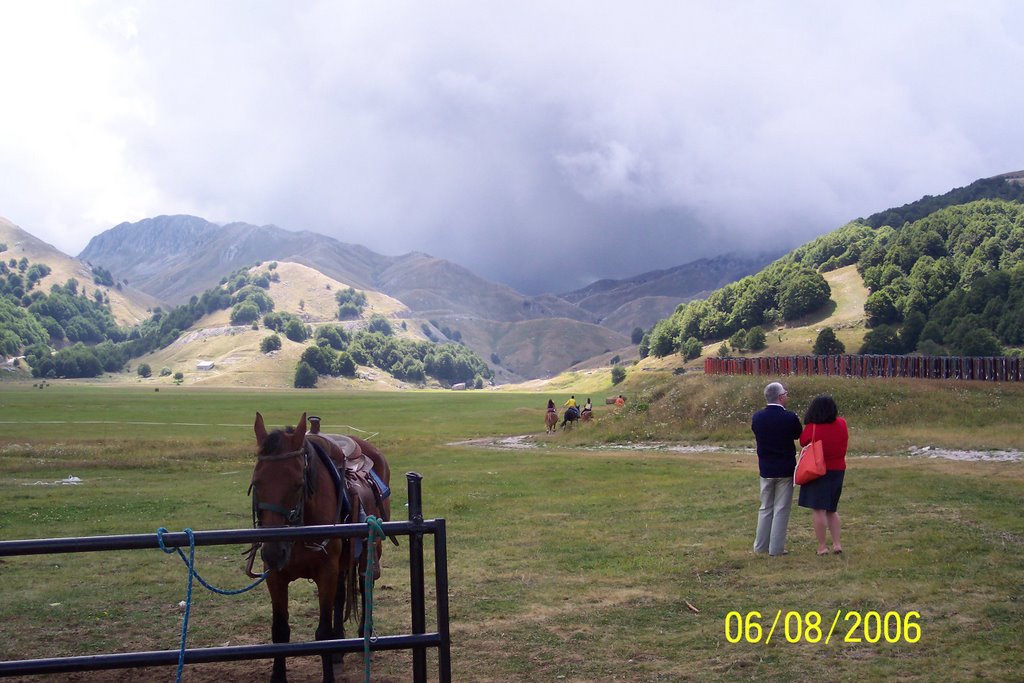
pixel 416 588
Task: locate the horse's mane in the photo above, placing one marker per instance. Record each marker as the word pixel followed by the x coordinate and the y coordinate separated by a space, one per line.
pixel 272 444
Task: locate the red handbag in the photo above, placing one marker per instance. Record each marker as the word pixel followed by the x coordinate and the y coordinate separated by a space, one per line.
pixel 811 464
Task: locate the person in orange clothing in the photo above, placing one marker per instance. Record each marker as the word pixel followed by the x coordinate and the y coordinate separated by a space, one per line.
pixel 822 423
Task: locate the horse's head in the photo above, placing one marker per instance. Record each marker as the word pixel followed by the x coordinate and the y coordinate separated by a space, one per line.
pixel 280 483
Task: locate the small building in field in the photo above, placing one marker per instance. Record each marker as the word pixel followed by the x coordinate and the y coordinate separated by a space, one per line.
pixel 204 365
pixel 461 386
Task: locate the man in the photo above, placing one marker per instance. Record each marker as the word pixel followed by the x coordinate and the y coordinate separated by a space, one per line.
pixel 775 430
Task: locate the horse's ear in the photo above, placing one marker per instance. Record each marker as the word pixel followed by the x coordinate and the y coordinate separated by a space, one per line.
pixel 260 429
pixel 300 430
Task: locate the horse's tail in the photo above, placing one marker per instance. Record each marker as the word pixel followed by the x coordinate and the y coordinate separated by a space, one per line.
pixel 353 606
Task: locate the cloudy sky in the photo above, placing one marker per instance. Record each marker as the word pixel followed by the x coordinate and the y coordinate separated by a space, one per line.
pixel 540 144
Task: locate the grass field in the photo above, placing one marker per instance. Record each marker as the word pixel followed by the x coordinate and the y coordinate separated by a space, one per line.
pixel 573 559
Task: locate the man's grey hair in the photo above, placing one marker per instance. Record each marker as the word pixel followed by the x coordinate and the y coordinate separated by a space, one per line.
pixel 773 391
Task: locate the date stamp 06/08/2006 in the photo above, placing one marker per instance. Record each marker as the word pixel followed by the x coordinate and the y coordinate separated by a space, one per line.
pixel 850 626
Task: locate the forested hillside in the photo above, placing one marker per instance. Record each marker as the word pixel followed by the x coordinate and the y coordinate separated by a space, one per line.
pixel 66 334
pixel 951 281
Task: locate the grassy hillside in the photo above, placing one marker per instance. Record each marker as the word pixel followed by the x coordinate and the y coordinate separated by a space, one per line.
pixel 235 349
pixel 128 306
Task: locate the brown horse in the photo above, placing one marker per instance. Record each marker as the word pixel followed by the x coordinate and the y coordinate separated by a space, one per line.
pixel 293 486
pixel 551 421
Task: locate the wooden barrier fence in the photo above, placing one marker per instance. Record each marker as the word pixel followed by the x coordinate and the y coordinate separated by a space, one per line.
pixel 991 369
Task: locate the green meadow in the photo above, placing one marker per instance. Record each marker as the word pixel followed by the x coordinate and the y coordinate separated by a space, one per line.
pixel 610 553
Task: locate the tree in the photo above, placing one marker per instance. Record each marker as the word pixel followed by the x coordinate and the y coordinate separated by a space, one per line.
pixel 244 313
pixel 321 360
pixel 756 338
pixel 880 308
pixel 344 365
pixel 692 348
pixel 663 338
pixel 980 342
pixel 144 370
pixel 882 339
pixel 350 303
pixel 638 334
pixel 270 343
pixel 379 323
pixel 738 340
pixel 305 376
pixel 803 292
pixel 618 374
pixel 910 333
pixel 827 344
pixel 296 331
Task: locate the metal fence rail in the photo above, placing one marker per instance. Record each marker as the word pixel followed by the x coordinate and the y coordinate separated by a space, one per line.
pixel 990 369
pixel 418 641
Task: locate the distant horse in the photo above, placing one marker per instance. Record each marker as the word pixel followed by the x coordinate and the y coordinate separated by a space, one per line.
pixel 586 415
pixel 293 485
pixel 570 416
pixel 551 421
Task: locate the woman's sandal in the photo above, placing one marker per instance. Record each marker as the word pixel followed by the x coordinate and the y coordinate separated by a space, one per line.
pixel 837 551
pixel 822 553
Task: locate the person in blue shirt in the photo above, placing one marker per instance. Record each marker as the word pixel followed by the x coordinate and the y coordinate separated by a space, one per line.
pixel 775 430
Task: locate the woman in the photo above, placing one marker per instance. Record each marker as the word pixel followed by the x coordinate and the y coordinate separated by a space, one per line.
pixel 822 423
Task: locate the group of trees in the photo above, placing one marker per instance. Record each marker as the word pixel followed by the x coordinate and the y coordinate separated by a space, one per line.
pixel 350 303
pixel 951 282
pixel 785 290
pixel 337 352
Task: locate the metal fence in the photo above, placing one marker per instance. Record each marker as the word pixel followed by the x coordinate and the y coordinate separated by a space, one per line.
pixel 418 641
pixel 992 369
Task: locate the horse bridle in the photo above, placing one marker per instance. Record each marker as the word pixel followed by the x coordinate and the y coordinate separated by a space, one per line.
pixel 293 516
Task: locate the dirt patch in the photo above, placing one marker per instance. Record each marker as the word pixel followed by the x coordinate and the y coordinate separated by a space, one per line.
pixel 530 441
pixel 984 456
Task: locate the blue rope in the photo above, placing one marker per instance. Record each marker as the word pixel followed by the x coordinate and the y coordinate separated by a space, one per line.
pixel 375 531
pixel 190 562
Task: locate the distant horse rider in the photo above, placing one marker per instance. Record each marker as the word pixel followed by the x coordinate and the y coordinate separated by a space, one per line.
pixel 588 411
pixel 314 424
pixel 572 411
pixel 551 406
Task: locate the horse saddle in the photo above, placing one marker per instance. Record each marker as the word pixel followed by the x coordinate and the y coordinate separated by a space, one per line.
pixel 361 480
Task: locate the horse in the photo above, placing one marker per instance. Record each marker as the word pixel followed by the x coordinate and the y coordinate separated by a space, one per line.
pixel 586 415
pixel 294 485
pixel 550 421
pixel 571 415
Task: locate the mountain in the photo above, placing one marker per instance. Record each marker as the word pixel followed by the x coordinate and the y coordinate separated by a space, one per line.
pixel 176 257
pixel 128 305
pixel 642 300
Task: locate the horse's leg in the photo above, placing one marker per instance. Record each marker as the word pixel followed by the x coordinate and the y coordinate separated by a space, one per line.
pixel 362 596
pixel 280 632
pixel 327 588
pixel 339 607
